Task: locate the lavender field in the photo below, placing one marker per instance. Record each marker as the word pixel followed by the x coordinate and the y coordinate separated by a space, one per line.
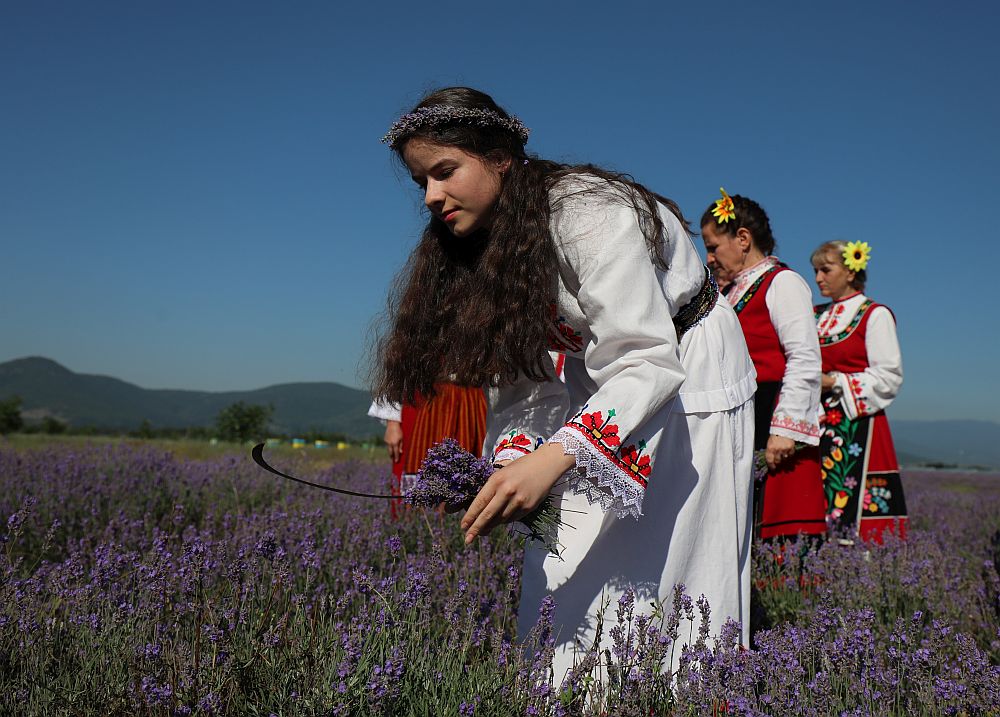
pixel 134 581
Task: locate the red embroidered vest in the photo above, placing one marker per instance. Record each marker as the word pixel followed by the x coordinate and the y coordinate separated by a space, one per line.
pixel 846 352
pixel 762 340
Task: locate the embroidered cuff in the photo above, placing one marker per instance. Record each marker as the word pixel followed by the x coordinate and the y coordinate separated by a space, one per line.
pixel 852 401
pixel 600 477
pixel 807 432
pixel 513 446
pixel 508 454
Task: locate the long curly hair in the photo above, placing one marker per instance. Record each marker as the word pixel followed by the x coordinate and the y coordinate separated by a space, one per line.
pixel 479 310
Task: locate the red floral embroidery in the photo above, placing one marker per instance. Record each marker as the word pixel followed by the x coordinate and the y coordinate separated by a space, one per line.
pixel 634 461
pixel 603 435
pixel 601 429
pixel 833 417
pixel 514 441
pixel 565 336
pixel 856 391
pixel 805 428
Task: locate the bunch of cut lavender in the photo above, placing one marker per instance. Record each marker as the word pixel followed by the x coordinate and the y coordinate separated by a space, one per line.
pixel 453 476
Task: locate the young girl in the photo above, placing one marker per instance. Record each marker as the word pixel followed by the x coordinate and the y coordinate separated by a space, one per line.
pixel 863 371
pixel 774 305
pixel 651 432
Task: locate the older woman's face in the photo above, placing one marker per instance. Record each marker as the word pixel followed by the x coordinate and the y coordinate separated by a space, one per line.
pixel 723 253
pixel 832 277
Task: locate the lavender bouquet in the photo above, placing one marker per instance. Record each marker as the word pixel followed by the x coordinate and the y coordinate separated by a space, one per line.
pixel 453 476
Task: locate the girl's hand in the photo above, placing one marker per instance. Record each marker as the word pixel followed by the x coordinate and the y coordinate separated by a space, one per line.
pixel 394 440
pixel 828 382
pixel 778 449
pixel 515 490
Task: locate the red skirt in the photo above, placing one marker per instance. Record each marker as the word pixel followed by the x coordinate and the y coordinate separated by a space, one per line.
pixel 793 499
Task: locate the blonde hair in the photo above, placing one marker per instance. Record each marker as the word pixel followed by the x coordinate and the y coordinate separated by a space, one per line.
pixel 836 248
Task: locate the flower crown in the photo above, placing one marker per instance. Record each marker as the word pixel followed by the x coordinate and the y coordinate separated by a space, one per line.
pixel 442 114
pixel 724 209
pixel 856 255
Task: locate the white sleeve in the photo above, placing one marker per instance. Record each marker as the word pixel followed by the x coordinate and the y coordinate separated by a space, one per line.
pixel 796 415
pixel 632 355
pixel 872 390
pixel 522 415
pixel 385 411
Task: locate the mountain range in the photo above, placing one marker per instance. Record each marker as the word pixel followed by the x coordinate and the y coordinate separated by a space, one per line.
pixel 47 388
pixel 50 389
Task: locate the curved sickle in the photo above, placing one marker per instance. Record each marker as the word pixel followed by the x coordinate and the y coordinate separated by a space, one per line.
pixel 258 457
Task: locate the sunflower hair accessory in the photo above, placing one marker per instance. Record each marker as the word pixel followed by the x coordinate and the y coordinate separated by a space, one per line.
pixel 856 255
pixel 443 114
pixel 724 209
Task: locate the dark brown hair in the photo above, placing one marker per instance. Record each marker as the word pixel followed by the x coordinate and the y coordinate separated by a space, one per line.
pixel 478 310
pixel 750 216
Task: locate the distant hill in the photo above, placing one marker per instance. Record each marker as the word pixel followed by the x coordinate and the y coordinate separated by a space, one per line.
pixel 964 443
pixel 48 388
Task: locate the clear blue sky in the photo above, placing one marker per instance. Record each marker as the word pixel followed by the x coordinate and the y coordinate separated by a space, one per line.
pixel 193 195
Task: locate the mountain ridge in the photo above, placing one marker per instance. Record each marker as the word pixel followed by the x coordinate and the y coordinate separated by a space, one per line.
pixel 47 388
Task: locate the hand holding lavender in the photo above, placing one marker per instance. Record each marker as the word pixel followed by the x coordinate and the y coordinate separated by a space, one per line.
pixel 453 476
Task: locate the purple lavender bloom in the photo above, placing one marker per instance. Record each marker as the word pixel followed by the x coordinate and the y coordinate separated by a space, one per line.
pixel 449 475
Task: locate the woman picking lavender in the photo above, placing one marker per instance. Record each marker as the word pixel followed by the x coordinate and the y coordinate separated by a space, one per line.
pixel 653 427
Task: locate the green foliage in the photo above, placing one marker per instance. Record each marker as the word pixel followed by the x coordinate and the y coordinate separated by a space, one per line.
pixel 53 426
pixel 10 415
pixel 242 422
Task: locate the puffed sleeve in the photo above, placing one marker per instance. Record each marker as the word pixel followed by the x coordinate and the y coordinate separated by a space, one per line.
pixel 789 303
pixel 385 411
pixel 872 390
pixel 523 414
pixel 631 356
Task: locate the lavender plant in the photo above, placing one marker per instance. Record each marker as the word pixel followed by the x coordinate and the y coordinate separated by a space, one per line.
pixel 451 475
pixel 135 582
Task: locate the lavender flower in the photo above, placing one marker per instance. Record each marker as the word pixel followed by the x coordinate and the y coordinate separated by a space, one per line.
pixel 453 476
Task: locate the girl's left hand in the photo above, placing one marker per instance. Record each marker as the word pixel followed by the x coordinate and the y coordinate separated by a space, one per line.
pixel 515 490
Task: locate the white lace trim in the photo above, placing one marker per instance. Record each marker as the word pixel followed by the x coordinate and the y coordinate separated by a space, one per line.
pixel 598 478
pixel 509 454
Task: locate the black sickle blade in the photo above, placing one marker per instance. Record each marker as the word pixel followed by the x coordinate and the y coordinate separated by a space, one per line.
pixel 258 457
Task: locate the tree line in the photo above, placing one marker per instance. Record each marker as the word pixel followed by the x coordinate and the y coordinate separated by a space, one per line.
pixel 239 422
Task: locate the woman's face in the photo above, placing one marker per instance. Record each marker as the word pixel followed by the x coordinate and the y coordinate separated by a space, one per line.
pixel 832 277
pixel 460 189
pixel 724 253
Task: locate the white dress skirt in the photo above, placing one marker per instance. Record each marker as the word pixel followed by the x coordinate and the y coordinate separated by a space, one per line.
pixel 661 429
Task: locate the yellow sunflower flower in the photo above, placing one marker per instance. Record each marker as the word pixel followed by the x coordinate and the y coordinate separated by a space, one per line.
pixel 724 209
pixel 856 255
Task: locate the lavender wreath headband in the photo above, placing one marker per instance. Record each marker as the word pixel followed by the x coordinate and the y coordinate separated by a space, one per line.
pixel 443 114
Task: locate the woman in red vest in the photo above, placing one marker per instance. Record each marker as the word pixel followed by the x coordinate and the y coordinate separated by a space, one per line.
pixel 457 412
pixel 862 373
pixel 774 306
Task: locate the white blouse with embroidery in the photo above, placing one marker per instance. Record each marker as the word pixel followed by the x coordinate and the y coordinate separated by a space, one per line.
pixel 789 304
pixel 872 390
pixel 624 372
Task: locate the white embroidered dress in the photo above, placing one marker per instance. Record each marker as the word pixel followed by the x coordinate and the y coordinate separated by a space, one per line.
pixel 662 434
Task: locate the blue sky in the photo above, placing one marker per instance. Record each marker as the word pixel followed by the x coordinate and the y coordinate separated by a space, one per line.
pixel 193 195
